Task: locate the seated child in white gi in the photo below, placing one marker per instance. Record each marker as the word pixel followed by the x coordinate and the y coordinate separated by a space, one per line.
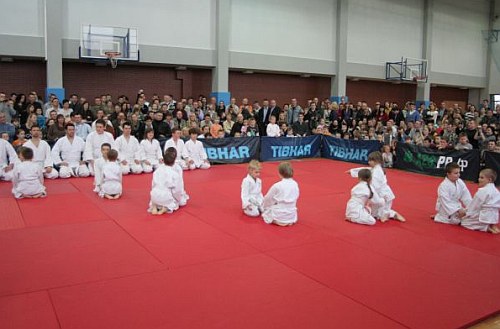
pixel 380 186
pixel 452 193
pixel 194 153
pixel 166 192
pixel 27 177
pixel 482 211
pixel 111 187
pixel 180 170
pixel 362 199
pixel 251 190
pixel 280 202
pixel 151 151
pixel 97 166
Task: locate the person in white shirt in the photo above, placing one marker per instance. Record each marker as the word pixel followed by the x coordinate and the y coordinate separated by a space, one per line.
pixel 176 142
pixel 251 190
pixel 8 158
pixel 27 177
pixel 452 192
pixel 273 130
pixel 42 154
pixel 166 191
pixel 67 154
pixel 280 202
pixel 151 154
pixel 129 151
pixel 482 211
pixel 194 153
pixel 93 144
pixel 358 208
pixel 111 183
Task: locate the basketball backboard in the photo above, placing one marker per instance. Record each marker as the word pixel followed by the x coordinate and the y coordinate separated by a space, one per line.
pixel 98 41
pixel 407 69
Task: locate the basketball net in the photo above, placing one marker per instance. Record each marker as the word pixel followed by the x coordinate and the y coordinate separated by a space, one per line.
pixel 113 58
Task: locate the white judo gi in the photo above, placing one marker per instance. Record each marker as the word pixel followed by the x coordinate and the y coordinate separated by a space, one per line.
pixel 179 145
pixel 448 202
pixel 185 197
pixel 379 186
pixel 93 146
pixel 273 130
pixel 357 210
pixel 151 152
pixel 8 156
pixel 166 188
pixel 27 179
pixel 98 165
pixel 130 151
pixel 251 196
pixel 280 203
pixel 111 179
pixel 196 152
pixel 42 156
pixel 482 211
pixel 70 152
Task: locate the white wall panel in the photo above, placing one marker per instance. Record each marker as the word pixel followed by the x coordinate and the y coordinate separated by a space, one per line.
pixel 293 28
pixel 457 43
pixel 186 23
pixel 23 17
pixel 381 31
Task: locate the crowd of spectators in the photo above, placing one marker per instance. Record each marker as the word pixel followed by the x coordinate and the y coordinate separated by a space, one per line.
pixel 435 126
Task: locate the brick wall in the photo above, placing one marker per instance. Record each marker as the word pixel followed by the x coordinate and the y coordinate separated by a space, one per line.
pixel 281 87
pixel 89 80
pixel 23 76
pixel 373 91
pixel 439 94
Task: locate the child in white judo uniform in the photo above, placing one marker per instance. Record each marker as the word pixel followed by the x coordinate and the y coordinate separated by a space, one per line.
pixel 482 211
pixel 280 202
pixel 166 191
pixel 98 165
pixel 27 176
pixel 363 197
pixel 194 153
pixel 177 143
pixel 111 187
pixel 180 170
pixel 151 154
pixel 251 190
pixel 452 193
pixel 379 184
pixel 8 158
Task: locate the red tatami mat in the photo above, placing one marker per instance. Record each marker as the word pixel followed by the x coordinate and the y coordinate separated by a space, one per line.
pixel 54 256
pixel 31 310
pixel 249 292
pixel 94 263
pixel 11 217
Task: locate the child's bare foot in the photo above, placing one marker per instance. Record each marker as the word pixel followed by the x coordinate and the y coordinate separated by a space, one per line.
pixel 399 217
pixel 109 197
pixel 383 219
pixel 493 229
pixel 117 196
pixel 154 210
pixel 162 211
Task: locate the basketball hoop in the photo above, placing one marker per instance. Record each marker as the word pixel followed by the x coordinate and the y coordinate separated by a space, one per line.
pixel 420 78
pixel 113 57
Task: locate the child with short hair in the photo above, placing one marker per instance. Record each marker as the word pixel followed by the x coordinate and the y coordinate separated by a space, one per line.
pixel 21 138
pixel 358 208
pixel 452 193
pixel 194 152
pixel 379 184
pixel 27 178
pixel 99 164
pixel 167 186
pixel 280 203
pixel 111 187
pixel 251 190
pixel 5 136
pixel 387 156
pixel 482 211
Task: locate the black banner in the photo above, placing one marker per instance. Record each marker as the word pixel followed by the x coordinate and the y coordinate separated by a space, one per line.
pixel 231 149
pixel 348 150
pixel 432 162
pixel 492 161
pixel 287 148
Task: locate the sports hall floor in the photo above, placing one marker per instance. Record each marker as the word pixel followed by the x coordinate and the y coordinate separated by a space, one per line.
pixel 73 260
